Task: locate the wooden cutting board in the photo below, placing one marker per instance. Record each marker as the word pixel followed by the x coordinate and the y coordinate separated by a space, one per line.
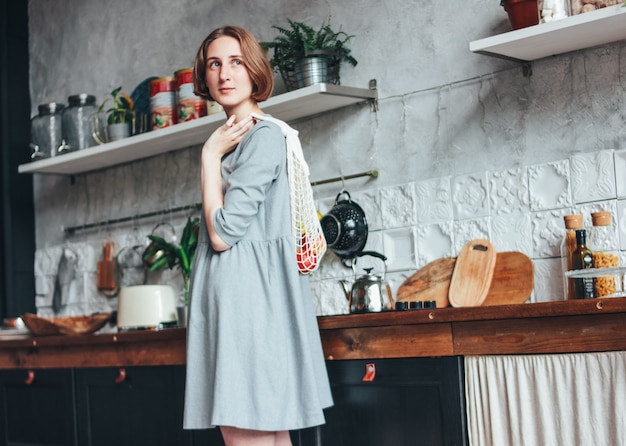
pixel 513 279
pixel 429 283
pixel 512 282
pixel 472 274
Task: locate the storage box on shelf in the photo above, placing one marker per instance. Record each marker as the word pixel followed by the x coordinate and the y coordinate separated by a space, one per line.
pixel 290 107
pixel 577 32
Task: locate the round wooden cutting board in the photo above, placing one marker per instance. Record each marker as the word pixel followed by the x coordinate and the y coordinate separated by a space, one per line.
pixel 430 282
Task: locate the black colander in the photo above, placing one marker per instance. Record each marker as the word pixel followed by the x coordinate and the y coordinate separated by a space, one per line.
pixel 345 227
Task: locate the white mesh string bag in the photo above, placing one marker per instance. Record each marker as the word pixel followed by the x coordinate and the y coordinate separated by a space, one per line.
pixel 305 225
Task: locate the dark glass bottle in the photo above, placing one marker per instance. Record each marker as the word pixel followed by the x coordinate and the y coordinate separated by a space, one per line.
pixel 583 259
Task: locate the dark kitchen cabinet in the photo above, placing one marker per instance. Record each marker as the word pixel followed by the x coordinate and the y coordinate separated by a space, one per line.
pixel 414 401
pixel 17 216
pixel 144 406
pixel 87 407
pixel 38 411
pixel 135 406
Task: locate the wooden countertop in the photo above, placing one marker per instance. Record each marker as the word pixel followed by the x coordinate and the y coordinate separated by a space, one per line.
pixel 553 327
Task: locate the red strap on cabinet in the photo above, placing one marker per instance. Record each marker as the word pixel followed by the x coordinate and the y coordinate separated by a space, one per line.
pixel 370 372
pixel 30 377
pixel 121 376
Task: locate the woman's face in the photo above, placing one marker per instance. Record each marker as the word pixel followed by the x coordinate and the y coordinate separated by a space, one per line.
pixel 227 78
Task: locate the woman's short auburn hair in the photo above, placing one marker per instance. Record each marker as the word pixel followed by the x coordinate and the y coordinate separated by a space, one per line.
pixel 254 59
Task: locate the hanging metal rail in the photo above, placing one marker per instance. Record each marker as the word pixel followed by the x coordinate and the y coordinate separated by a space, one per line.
pixel 195 207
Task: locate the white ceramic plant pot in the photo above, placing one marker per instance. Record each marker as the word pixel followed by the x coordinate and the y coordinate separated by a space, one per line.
pixel 118 131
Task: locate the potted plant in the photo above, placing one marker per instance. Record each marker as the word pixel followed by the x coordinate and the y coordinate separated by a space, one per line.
pixel 161 253
pixel 306 56
pixel 522 13
pixel 119 118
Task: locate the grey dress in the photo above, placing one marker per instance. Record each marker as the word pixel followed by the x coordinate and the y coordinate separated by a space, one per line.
pixel 254 355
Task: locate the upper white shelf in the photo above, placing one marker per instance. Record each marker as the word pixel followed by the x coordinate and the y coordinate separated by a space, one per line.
pixel 581 31
pixel 291 106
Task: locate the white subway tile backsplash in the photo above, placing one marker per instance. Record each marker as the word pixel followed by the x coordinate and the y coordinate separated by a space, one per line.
pixel 593 176
pixel 434 241
pixel 621 223
pixel 619 158
pixel 549 186
pixel 398 206
pixel 330 297
pixel 548 280
pixel 548 230
pixel 508 192
pixel 400 248
pixel 470 196
pixel 434 200
pixel 512 233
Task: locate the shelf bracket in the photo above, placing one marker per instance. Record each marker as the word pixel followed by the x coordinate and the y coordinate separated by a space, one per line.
pixel 374 102
pixel 527 69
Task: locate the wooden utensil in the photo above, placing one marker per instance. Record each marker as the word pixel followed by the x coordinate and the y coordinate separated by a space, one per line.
pixel 472 274
pixel 430 282
pixel 513 279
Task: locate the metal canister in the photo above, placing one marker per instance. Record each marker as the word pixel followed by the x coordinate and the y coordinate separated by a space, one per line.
pixel 163 102
pixel 77 121
pixel 189 105
pixel 46 131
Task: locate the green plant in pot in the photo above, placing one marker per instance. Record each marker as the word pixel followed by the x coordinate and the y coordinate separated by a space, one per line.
pixel 161 253
pixel 119 117
pixel 305 56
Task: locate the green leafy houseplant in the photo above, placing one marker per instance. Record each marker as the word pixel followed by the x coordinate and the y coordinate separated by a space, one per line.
pixel 122 109
pixel 301 41
pixel 171 255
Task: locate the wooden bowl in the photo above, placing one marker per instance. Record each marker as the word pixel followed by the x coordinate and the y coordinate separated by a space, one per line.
pixel 72 325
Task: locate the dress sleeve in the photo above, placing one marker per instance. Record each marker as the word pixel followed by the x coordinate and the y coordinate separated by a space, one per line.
pixel 257 163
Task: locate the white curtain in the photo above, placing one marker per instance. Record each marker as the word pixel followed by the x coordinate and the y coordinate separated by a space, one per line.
pixel 546 400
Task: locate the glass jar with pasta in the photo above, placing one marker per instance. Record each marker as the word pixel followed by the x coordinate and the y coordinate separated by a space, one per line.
pixel 603 244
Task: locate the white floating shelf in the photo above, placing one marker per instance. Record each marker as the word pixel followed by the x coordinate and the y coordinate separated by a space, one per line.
pixel 291 106
pixel 599 27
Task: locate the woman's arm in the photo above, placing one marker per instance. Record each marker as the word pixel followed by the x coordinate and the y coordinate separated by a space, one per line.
pixel 219 143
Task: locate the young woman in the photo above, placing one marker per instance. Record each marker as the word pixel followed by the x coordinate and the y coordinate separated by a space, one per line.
pixel 255 366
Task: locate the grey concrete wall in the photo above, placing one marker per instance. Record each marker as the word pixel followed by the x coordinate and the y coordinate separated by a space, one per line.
pixel 443 111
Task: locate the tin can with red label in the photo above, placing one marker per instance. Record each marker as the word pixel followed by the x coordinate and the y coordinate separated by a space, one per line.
pixel 163 102
pixel 189 105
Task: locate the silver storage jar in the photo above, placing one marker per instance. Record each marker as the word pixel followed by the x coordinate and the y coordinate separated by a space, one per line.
pixel 46 131
pixel 77 121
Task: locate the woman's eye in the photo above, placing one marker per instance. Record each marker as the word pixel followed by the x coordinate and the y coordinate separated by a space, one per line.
pixel 214 64
pixel 237 62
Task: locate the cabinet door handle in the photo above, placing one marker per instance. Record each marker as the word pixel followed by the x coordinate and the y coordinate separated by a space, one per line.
pixel 121 376
pixel 370 372
pixel 30 377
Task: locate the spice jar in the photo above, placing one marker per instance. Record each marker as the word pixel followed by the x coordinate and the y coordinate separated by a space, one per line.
pixel 77 121
pixel 603 244
pixel 46 131
pixel 188 104
pixel 162 102
pixel 581 6
pixel 568 247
